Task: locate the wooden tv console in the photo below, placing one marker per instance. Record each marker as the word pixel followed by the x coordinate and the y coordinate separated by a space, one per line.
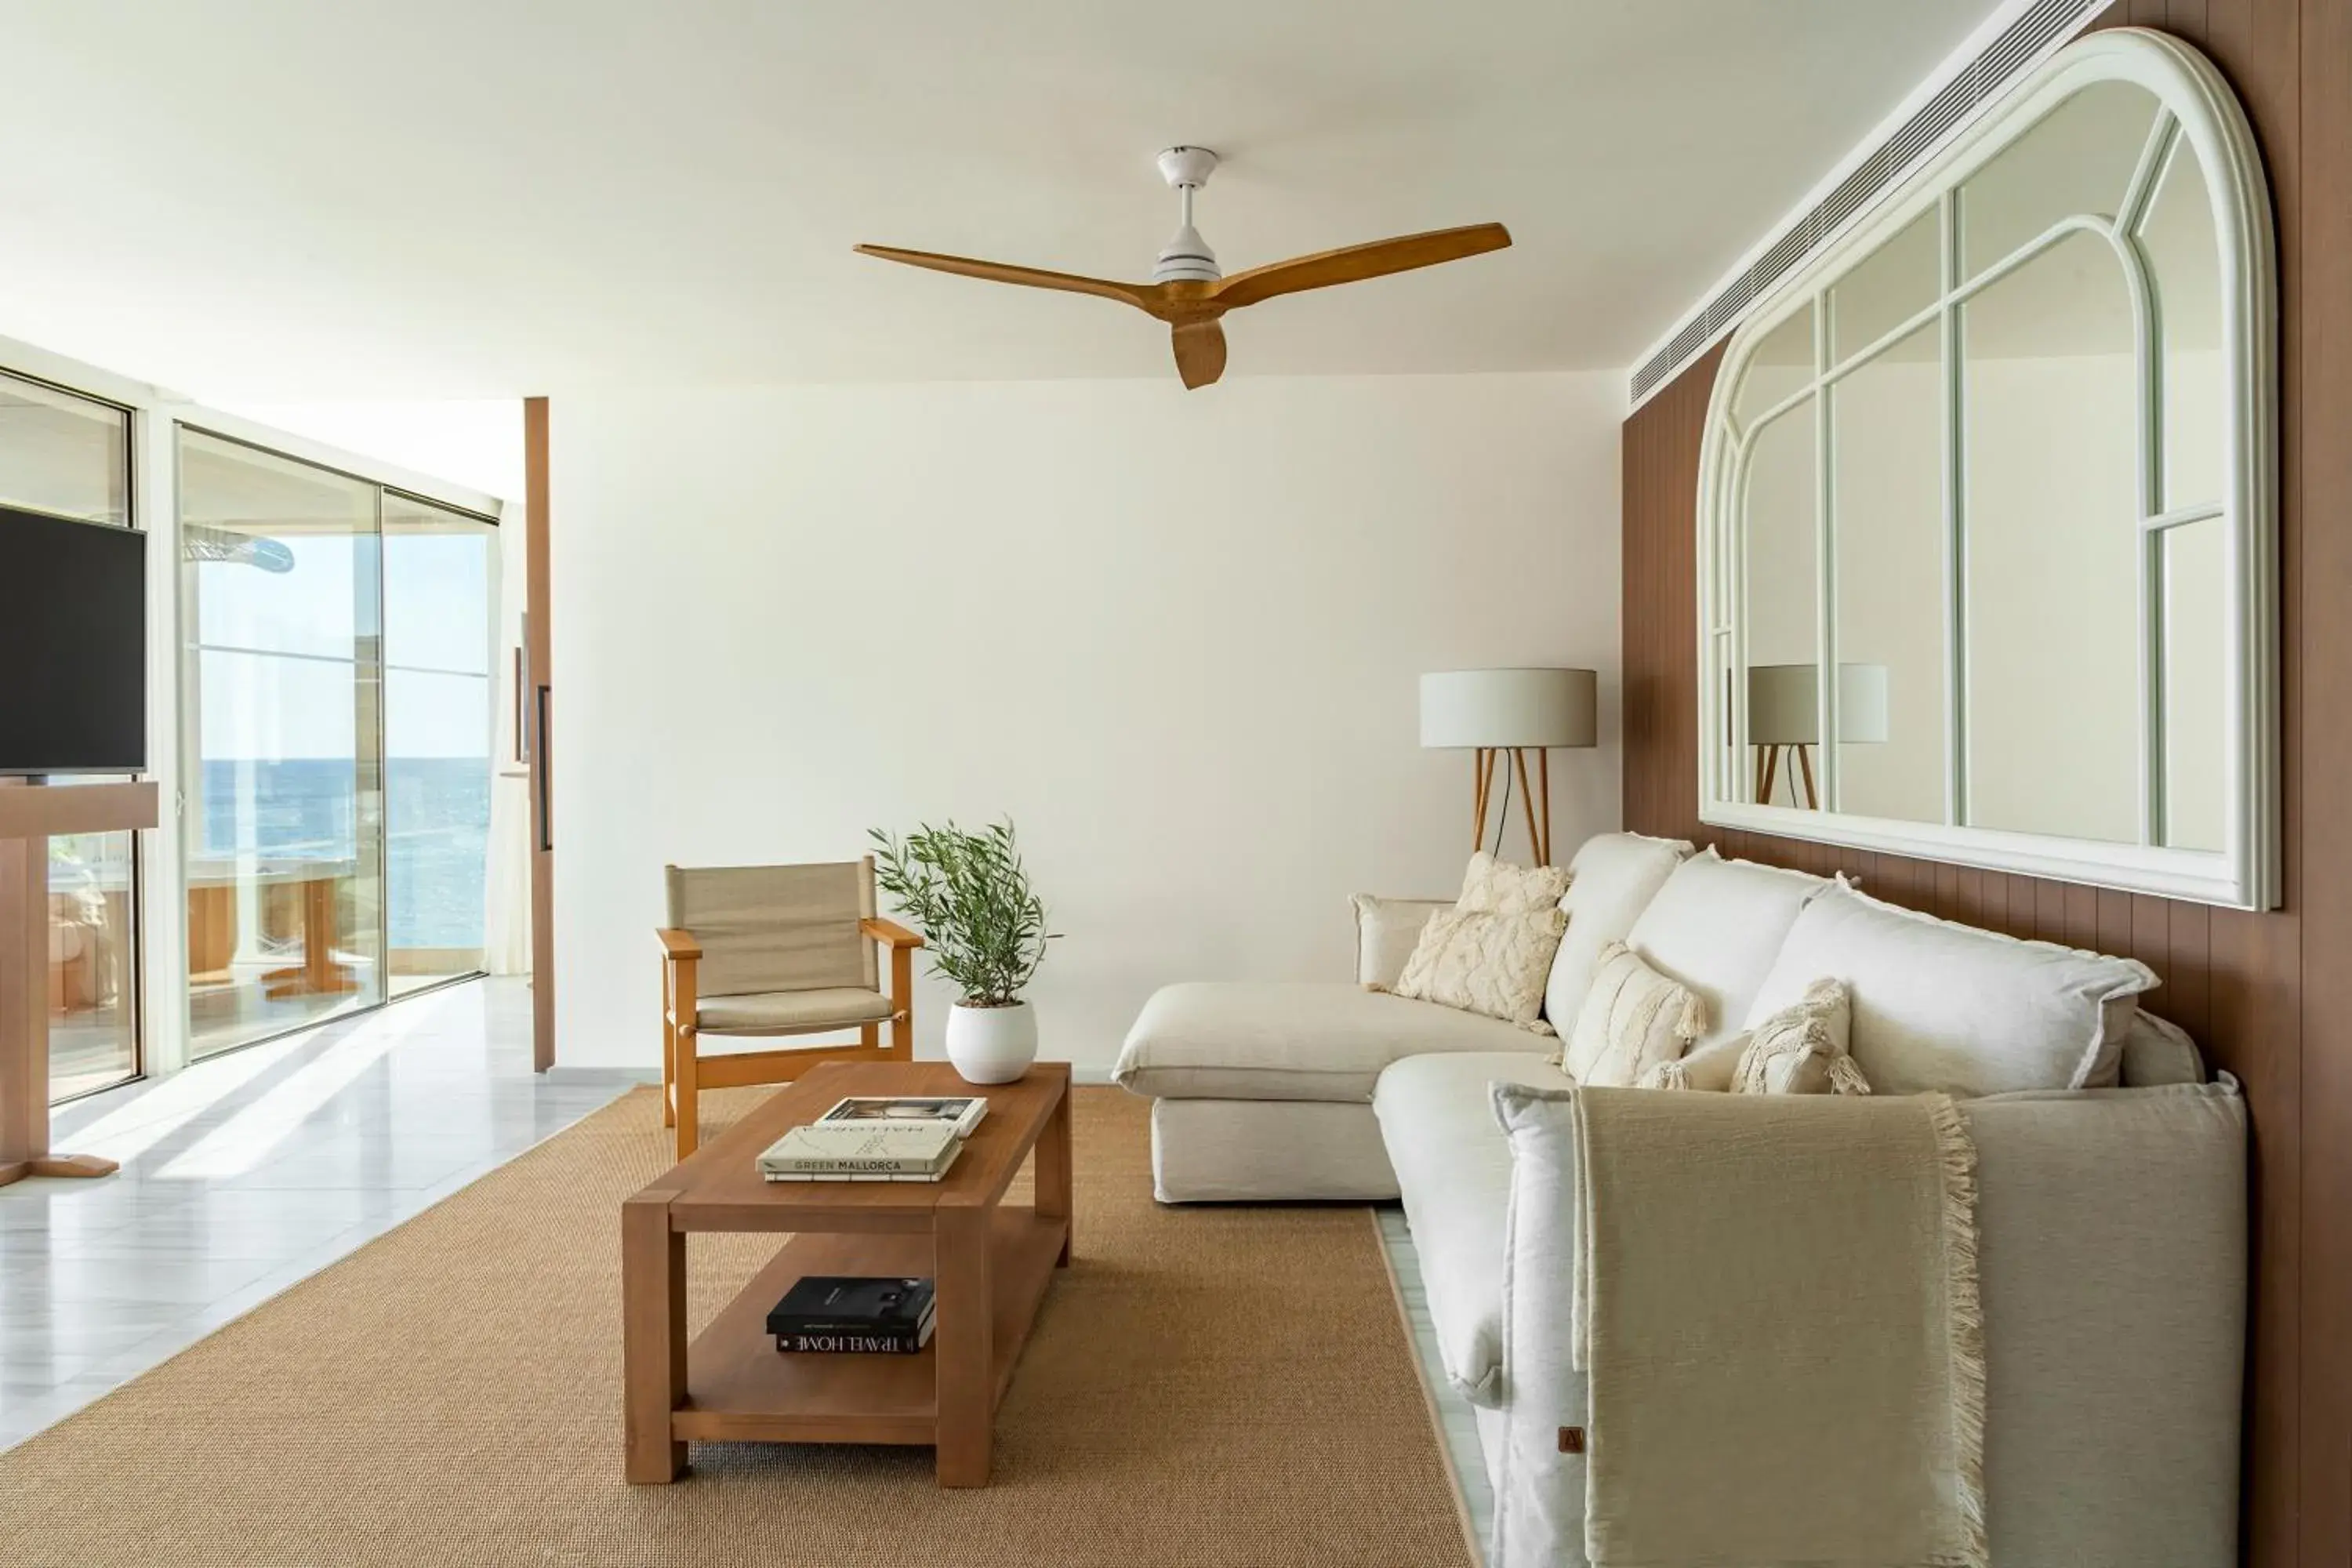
pixel 31 816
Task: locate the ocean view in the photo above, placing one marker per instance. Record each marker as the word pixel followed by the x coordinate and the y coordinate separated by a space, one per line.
pixel 437 832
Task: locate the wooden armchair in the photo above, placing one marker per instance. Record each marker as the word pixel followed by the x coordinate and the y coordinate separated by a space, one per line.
pixel 767 950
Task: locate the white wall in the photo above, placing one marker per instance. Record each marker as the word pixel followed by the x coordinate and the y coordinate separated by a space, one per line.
pixel 1175 635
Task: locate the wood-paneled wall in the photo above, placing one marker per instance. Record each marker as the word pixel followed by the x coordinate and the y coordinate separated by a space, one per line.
pixel 2268 995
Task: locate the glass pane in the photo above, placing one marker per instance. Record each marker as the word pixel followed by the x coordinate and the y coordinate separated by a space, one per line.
pixel 439 595
pixel 2196 742
pixel 2078 160
pixel 2185 263
pixel 1899 280
pixel 63 455
pixel 1781 367
pixel 93 1016
pixel 2052 539
pixel 1782 573
pixel 1888 495
pixel 284 781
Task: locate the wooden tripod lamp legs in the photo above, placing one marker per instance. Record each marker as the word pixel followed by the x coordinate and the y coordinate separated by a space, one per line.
pixel 1537 795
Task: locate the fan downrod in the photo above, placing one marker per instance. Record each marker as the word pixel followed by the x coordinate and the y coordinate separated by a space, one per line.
pixel 1186 258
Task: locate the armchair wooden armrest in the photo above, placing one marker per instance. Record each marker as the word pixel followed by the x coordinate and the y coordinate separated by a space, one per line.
pixel 889 931
pixel 679 944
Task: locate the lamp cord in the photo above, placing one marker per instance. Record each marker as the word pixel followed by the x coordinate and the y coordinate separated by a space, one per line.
pixel 1504 820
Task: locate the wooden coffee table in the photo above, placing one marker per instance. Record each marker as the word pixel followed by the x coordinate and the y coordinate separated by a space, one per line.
pixel 990 1262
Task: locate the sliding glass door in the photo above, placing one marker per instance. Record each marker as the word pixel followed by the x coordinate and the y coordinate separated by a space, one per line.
pixel 440 602
pixel 337 722
pixel 70 456
pixel 282 735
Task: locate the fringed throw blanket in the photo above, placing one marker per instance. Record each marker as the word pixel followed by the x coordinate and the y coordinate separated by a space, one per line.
pixel 1779 1320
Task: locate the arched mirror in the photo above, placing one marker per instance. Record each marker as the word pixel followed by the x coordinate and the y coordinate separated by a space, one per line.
pixel 1986 504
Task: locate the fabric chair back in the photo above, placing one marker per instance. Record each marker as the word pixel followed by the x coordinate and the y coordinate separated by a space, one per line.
pixel 776 927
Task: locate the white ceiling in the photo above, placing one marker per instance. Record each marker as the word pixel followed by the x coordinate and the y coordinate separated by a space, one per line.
pixel 248 199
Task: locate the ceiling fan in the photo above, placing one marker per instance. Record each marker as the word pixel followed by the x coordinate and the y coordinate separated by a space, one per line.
pixel 1189 292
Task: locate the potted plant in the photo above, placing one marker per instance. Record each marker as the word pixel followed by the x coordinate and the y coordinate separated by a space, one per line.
pixel 984 928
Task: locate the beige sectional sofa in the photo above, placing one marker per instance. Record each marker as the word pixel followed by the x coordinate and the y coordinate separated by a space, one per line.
pixel 2112 1206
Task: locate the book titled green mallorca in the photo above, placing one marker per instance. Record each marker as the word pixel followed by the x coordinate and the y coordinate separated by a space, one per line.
pixel 871 1152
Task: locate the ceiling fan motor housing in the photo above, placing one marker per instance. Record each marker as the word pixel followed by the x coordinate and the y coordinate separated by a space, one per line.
pixel 1186 258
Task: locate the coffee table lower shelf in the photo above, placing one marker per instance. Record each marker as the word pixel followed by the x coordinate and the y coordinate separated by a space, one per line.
pixel 741 1389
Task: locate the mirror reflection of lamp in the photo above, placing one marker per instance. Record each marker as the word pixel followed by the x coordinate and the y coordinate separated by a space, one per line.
pixel 1784 717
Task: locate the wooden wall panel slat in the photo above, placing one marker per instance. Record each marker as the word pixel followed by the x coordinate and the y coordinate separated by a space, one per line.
pixel 2115 927
pixel 2237 982
pixel 2151 933
pixel 2050 910
pixel 2022 895
pixel 2321 365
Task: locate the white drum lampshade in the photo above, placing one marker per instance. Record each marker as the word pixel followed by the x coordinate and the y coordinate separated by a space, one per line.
pixel 1508 708
pixel 1490 711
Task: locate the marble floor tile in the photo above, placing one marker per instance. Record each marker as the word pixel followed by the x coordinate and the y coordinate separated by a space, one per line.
pixel 252 1171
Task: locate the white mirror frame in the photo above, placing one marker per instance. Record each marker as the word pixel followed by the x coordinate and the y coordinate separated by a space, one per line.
pixel 2199 107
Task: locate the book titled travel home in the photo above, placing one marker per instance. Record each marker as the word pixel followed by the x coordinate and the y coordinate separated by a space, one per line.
pixel 862 1149
pixel 858 1314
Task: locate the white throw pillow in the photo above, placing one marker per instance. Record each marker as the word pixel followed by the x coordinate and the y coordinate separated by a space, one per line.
pixel 1498 887
pixel 1801 1049
pixel 1634 1019
pixel 1610 882
pixel 1485 962
pixel 1717 926
pixel 1951 1009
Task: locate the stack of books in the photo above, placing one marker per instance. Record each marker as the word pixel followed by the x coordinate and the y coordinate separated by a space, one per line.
pixel 830 1314
pixel 866 1139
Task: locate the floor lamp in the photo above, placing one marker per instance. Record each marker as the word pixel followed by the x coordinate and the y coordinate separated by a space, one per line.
pixel 1784 721
pixel 1490 711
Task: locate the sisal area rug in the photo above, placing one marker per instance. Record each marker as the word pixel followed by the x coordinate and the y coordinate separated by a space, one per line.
pixel 1203 1388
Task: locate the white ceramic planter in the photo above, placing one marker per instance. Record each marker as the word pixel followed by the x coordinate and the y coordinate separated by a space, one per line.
pixel 991 1045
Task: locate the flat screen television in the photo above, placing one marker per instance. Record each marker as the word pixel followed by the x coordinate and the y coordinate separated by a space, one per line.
pixel 73 645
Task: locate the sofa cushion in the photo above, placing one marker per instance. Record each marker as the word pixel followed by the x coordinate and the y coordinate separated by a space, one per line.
pixel 2157 1052
pixel 1939 1006
pixel 1237 1039
pixel 1711 1068
pixel 1633 1018
pixel 1454 1169
pixel 1611 879
pixel 1717 926
pixel 1386 931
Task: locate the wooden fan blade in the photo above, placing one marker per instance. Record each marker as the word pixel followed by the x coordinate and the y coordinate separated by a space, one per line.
pixel 1135 294
pixel 1199 352
pixel 1358 262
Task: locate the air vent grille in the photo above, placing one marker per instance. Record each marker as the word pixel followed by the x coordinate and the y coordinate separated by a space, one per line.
pixel 2015 48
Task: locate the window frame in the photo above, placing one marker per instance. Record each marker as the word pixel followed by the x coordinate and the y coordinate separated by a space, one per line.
pixel 2196 114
